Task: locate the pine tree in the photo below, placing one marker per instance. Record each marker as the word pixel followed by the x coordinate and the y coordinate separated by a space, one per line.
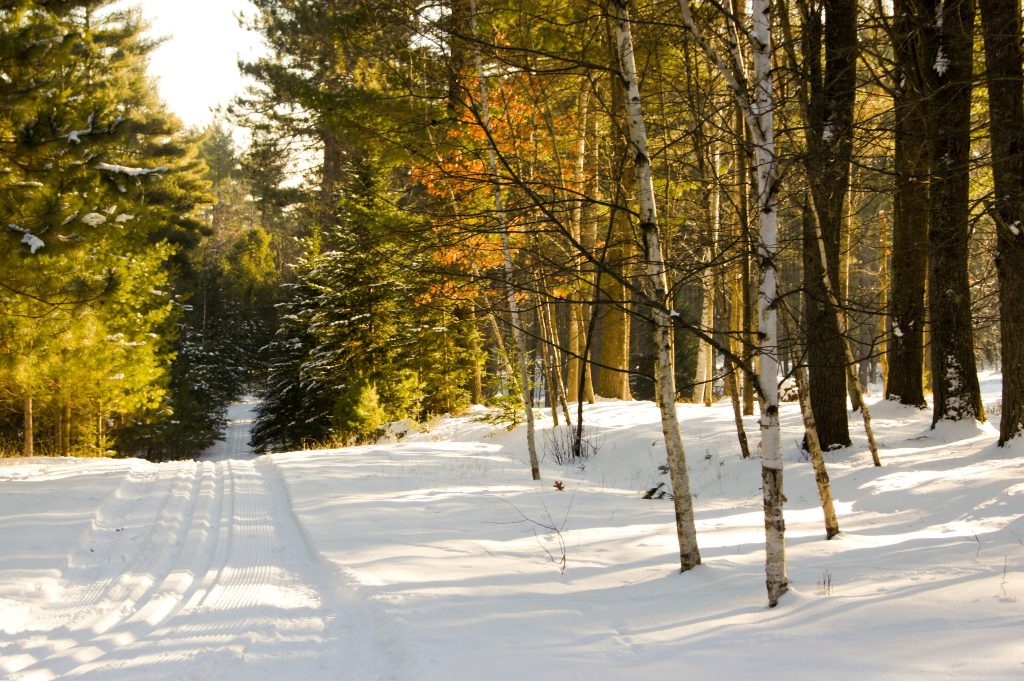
pixel 100 196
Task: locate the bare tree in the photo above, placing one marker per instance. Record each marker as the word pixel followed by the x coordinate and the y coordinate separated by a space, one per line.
pixel 758 104
pixel 657 283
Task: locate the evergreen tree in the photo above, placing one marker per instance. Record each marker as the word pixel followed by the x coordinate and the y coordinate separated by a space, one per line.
pixel 99 191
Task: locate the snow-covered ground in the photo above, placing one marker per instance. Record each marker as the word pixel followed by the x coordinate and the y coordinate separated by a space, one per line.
pixel 439 559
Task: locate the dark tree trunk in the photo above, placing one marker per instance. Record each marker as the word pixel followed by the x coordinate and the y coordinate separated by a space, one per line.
pixel 58 431
pixel 829 149
pixel 910 215
pixel 331 174
pixel 949 34
pixel 67 426
pixel 1001 27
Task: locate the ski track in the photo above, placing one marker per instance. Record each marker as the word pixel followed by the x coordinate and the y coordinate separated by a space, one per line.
pixel 198 570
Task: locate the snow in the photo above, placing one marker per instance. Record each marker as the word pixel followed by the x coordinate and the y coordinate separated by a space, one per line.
pixel 236 439
pixel 33 242
pixel 75 136
pixel 941 64
pixel 129 171
pixel 94 219
pixel 434 558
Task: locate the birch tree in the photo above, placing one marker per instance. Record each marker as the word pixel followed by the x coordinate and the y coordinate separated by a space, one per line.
pixel 758 110
pixel 657 283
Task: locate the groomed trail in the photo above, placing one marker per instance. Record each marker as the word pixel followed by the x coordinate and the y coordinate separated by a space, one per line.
pixel 185 568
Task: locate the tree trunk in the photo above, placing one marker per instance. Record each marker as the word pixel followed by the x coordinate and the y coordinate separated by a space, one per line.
pixel 762 120
pixel 829 150
pixel 661 304
pixel 1001 27
pixel 612 375
pixel 28 445
pixel 67 426
pixel 547 364
pixel 554 361
pixel 883 304
pixel 703 383
pixel 821 478
pixel 759 115
pixel 848 324
pixel 585 225
pixel 734 372
pixel 744 299
pixel 910 211
pixel 852 380
pixel 949 48
pixel 100 435
pixel 612 379
pixel 476 379
pixel 58 430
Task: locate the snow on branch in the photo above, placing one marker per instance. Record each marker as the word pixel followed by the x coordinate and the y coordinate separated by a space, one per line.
pixel 130 172
pixel 33 242
pixel 75 136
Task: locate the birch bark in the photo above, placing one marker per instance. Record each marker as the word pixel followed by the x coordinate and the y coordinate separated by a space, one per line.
pixel 758 112
pixel 657 280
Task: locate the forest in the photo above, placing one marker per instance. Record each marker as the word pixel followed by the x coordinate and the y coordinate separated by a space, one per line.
pixel 529 205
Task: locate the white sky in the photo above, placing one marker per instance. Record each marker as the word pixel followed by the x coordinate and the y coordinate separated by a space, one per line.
pixel 197 66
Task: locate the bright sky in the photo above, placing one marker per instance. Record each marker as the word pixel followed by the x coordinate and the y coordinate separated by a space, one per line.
pixel 197 66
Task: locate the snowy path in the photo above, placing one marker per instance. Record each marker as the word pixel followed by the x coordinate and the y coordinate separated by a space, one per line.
pixel 192 570
pixel 236 440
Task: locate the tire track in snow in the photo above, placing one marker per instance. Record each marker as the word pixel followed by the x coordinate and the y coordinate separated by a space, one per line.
pixel 148 559
pixel 217 580
pixel 97 577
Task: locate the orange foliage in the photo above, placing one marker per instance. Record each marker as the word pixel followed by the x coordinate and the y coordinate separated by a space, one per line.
pixel 529 145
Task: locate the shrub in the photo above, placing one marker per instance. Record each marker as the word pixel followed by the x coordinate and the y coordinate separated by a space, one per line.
pixel 358 415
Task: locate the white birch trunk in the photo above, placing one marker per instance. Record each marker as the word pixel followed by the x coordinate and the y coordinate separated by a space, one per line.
pixel 510 293
pixel 760 122
pixel 657 280
pixel 767 313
